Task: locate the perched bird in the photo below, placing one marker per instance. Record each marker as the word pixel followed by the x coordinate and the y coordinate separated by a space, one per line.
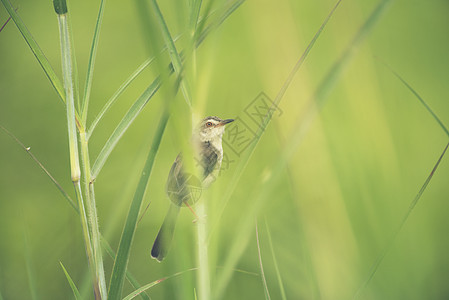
pixel 181 187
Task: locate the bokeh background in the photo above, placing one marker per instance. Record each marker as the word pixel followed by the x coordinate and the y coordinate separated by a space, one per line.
pixel 335 207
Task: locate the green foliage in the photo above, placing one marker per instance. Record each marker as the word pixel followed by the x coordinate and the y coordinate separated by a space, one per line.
pixel 76 293
pixel 335 167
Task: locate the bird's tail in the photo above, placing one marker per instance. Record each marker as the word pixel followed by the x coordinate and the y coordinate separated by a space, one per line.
pixel 164 237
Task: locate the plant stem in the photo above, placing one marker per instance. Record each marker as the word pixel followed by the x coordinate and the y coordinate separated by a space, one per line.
pixel 86 236
pixel 203 258
pixel 92 216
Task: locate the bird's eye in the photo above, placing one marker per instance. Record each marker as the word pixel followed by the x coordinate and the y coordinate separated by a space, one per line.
pixel 209 124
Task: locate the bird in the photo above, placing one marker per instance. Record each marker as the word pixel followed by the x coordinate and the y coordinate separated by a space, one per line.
pixel 182 187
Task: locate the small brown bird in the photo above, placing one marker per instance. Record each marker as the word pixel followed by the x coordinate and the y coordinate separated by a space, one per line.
pixel 182 187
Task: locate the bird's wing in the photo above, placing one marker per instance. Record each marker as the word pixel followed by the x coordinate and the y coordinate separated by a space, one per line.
pixel 209 159
pixel 176 180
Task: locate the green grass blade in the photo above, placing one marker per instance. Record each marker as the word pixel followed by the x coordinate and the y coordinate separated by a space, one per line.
pixel 215 24
pixel 124 124
pixel 39 54
pixel 1 29
pixel 121 261
pixel 381 257
pixel 262 273
pixel 194 15
pixel 276 267
pixel 173 53
pixel 120 91
pixel 104 243
pixel 117 94
pixel 316 103
pixel 37 51
pixel 143 289
pixel 152 284
pixel 414 92
pixel 90 66
pixel 75 291
pixel 55 182
pixel 135 284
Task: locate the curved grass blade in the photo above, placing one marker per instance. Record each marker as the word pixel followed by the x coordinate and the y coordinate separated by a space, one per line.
pixel 120 91
pixel 316 103
pixel 37 51
pixel 55 182
pixel 76 293
pixel 380 258
pixel 276 267
pixel 262 273
pixel 434 115
pixel 217 22
pixel 151 284
pixel 117 94
pixel 90 66
pixel 3 26
pixel 39 54
pixel 173 53
pixel 121 261
pixel 143 289
pixel 124 124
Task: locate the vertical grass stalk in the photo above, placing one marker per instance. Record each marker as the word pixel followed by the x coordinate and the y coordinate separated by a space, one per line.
pixel 203 277
pixel 89 225
pixel 92 216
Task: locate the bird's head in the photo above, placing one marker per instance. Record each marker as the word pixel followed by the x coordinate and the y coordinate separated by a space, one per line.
pixel 212 128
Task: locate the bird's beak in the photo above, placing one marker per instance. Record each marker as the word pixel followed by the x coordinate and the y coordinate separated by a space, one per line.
pixel 227 121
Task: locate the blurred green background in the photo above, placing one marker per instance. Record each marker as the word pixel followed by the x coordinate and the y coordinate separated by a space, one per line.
pixel 336 206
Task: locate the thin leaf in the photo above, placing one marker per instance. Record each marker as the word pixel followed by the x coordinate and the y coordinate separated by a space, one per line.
pixel 135 284
pixel 117 94
pixel 1 29
pixel 316 103
pixel 215 24
pixel 173 53
pixel 124 124
pixel 264 280
pixel 90 66
pixel 39 54
pixel 121 261
pixel 414 92
pixel 276 267
pixel 120 91
pixel 381 257
pixel 143 289
pixel 75 291
pixel 55 182
pixel 151 284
